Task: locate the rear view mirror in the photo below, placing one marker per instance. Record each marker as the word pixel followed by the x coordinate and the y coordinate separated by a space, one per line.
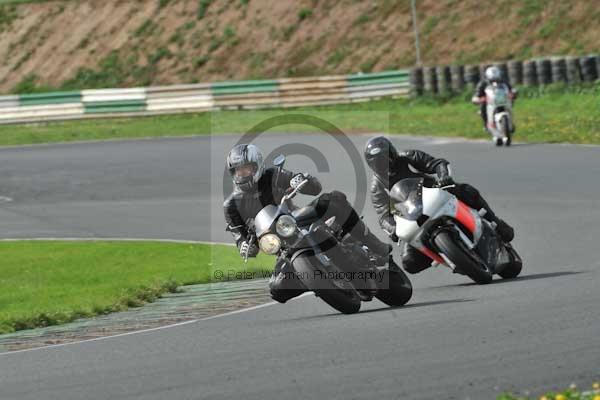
pixel 279 161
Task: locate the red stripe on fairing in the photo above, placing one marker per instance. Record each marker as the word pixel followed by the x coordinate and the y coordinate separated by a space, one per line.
pixel 465 216
pixel 431 255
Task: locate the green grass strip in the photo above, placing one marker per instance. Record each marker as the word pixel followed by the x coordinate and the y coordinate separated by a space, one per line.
pixel 49 283
pixel 573 393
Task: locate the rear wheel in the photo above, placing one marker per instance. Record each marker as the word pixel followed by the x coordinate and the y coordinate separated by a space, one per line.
pixel 462 258
pixel 398 289
pixel 338 293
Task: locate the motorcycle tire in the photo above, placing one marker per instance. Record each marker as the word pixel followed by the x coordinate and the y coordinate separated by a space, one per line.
pixel 504 129
pixel 397 290
pixel 462 258
pixel 339 294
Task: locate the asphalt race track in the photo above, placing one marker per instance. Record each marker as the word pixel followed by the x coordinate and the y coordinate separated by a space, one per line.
pixel 454 339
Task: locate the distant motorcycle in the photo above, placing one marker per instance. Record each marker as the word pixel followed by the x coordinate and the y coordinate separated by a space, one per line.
pixel 301 240
pixel 449 232
pixel 499 100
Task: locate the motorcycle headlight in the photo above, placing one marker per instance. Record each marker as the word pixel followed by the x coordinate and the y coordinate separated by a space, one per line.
pixel 269 243
pixel 285 226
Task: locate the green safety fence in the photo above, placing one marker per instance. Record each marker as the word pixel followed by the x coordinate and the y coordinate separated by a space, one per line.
pixel 242 87
pixel 49 98
pixel 378 78
pixel 118 106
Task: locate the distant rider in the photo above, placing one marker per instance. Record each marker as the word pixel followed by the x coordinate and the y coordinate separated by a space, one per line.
pixel 492 75
pixel 389 167
pixel 256 186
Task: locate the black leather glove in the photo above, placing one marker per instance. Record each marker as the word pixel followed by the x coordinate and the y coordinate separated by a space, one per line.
pixel 445 181
pixel 443 176
pixel 297 179
pixel 389 226
pixel 248 249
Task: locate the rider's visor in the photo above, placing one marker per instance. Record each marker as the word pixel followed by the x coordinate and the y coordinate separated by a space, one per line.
pixel 245 170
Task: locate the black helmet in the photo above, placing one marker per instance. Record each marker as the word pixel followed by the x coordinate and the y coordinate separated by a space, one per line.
pixel 380 153
pixel 245 165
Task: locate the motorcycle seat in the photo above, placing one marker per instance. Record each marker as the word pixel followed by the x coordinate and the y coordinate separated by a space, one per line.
pixel 305 215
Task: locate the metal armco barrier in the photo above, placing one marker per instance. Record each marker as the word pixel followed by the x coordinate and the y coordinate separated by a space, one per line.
pixel 287 92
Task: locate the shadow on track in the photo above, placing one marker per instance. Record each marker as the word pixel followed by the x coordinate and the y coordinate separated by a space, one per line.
pixel 384 308
pixel 497 281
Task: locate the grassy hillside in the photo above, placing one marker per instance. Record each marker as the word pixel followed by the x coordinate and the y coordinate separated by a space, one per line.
pixel 109 43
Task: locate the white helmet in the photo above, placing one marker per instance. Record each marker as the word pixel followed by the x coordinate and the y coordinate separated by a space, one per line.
pixel 245 165
pixel 493 74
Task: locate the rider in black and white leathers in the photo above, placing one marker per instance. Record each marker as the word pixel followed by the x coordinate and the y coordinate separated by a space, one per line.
pixel 389 167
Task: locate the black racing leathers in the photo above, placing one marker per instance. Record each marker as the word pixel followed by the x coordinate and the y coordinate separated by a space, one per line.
pixel 240 206
pixel 409 164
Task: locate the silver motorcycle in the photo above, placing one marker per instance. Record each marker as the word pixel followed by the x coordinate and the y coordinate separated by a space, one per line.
pixel 499 100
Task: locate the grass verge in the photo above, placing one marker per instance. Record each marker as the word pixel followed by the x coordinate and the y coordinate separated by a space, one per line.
pixel 573 393
pixel 554 114
pixel 49 283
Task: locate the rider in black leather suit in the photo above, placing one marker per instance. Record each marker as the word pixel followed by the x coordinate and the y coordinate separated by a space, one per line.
pixel 255 187
pixel 389 167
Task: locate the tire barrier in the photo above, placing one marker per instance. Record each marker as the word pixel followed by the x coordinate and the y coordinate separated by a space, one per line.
pixel 430 80
pixel 573 70
pixel 544 71
pixel 589 70
pixel 444 79
pixel 515 72
pixel 482 68
pixel 472 76
pixel 416 81
pixel 530 77
pixel 503 70
pixel 457 74
pixel 559 70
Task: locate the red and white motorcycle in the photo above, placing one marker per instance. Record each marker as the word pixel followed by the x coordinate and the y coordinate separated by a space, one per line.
pixel 499 100
pixel 451 233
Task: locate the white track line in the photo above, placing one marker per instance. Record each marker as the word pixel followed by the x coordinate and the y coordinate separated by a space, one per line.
pixel 109 239
pixel 150 329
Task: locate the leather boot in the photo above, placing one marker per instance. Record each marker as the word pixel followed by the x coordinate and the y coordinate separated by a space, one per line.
pixel 504 230
pixel 380 249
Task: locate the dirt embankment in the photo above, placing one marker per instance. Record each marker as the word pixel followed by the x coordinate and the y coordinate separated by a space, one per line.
pixel 94 43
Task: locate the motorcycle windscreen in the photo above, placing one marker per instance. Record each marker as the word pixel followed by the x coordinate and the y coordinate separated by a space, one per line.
pixel 265 219
pixel 406 198
pixel 500 96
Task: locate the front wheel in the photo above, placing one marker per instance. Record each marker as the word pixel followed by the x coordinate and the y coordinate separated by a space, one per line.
pixel 505 130
pixel 462 258
pixel 397 289
pixel 338 293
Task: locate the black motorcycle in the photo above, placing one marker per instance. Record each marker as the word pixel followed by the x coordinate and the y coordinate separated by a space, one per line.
pixel 338 270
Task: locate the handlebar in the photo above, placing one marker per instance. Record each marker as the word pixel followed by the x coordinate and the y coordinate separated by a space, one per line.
pixel 294 192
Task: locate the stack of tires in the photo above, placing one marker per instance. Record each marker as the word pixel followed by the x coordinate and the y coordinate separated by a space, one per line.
pixel 537 72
